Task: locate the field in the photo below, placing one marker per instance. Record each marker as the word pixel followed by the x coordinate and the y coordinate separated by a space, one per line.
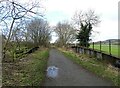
pixel 105 48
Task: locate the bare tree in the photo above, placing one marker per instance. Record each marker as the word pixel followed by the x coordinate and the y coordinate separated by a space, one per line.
pixel 86 18
pixel 13 13
pixel 84 21
pixel 65 33
pixel 39 32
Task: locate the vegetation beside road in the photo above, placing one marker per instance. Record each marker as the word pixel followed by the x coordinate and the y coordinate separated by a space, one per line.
pixel 100 68
pixel 29 71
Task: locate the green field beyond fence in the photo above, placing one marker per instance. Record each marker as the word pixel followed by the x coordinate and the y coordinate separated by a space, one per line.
pixel 105 49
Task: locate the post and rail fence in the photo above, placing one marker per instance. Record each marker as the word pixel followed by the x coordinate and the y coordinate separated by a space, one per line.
pixel 100 50
pixel 106 47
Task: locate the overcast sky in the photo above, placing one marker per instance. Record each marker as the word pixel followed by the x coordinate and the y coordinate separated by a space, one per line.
pixel 59 10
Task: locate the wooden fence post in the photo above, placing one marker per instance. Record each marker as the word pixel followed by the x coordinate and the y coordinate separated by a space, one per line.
pixel 109 47
pixel 93 45
pixel 76 49
pixel 100 46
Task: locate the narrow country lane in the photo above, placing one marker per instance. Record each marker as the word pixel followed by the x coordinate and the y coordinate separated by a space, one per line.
pixel 71 74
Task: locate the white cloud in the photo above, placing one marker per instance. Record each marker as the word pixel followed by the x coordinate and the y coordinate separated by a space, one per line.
pixel 54 37
pixel 107 30
pixel 57 10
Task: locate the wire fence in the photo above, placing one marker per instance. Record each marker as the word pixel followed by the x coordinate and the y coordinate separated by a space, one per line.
pixel 109 47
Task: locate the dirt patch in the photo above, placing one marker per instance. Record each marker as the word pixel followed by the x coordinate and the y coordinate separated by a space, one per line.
pixel 27 71
pixel 12 71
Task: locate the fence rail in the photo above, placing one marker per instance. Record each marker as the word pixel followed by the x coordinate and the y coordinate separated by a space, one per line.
pixel 108 48
pixel 96 53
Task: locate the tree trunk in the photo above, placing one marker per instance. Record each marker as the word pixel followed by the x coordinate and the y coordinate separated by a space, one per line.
pixel 4 49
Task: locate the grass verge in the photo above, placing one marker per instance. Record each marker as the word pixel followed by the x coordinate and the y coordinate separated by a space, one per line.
pixel 29 71
pixel 98 67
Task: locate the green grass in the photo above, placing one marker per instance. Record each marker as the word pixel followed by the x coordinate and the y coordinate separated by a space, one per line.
pixel 92 64
pixel 105 48
pixel 29 71
pixel 12 52
pixel 36 69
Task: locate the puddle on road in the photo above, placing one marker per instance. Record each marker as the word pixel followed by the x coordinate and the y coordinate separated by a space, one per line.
pixel 52 71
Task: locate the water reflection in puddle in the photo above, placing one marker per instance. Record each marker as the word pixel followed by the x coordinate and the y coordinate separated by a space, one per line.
pixel 52 72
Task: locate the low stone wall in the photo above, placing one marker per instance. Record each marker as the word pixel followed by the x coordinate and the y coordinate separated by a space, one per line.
pixel 95 53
